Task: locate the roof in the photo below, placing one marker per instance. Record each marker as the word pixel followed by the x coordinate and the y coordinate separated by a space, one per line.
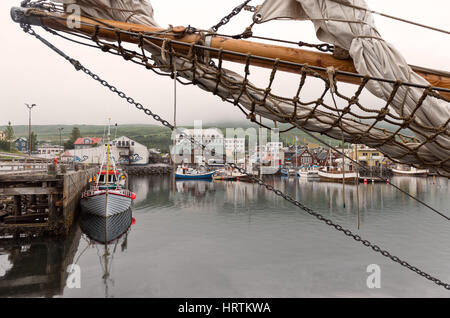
pixel 92 141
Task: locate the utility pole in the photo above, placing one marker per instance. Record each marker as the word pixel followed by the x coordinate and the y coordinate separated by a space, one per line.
pixel 30 107
pixel 60 138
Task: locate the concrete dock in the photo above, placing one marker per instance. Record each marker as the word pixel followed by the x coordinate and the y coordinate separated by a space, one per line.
pixel 41 202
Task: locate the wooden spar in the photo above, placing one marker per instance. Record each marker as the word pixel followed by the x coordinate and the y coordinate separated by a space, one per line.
pixel 58 21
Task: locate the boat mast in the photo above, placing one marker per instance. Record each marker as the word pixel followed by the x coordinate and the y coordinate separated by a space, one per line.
pixel 108 154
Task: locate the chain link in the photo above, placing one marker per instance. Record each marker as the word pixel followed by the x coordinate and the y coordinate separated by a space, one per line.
pixel 79 67
pixel 227 18
pixel 321 47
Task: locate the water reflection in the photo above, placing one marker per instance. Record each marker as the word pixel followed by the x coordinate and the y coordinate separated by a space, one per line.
pixel 236 239
pixel 36 268
pixel 110 233
pixel 329 197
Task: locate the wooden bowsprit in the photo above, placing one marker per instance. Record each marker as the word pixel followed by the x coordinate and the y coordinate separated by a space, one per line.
pixel 263 55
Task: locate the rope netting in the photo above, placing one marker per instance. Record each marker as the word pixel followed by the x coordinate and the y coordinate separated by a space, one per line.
pixel 395 131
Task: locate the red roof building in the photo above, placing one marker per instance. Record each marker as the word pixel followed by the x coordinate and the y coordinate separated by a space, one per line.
pixel 87 142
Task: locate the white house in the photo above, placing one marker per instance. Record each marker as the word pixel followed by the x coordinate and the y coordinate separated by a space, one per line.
pixel 49 151
pixel 212 138
pixel 234 148
pixel 124 150
pixel 130 152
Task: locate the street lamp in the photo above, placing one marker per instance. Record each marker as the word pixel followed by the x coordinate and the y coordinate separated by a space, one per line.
pixel 29 127
pixel 60 140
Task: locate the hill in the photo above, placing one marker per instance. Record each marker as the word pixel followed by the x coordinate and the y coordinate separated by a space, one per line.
pixel 152 136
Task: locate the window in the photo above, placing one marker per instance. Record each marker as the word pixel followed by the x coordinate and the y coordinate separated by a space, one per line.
pixel 132 143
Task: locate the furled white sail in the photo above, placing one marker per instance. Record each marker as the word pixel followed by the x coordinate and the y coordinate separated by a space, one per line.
pixel 354 30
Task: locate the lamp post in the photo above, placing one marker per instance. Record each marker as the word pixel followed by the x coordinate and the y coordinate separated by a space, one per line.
pixel 30 107
pixel 60 139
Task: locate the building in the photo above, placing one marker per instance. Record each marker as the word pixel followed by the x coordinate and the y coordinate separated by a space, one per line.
pixel 304 158
pixel 186 151
pixel 324 156
pixel 271 153
pixel 2 135
pixel 87 142
pixel 21 144
pixel 234 148
pixel 130 152
pixel 49 151
pixel 369 157
pixel 124 150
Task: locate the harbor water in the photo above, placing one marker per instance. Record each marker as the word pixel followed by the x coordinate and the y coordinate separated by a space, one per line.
pixel 236 239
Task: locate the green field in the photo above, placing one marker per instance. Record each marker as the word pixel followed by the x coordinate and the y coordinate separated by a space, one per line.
pixel 150 135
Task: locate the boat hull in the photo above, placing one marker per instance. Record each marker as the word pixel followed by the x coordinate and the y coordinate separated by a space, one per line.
pixel 308 175
pixel 412 173
pixel 104 230
pixel 202 176
pixel 350 176
pixel 105 204
pixel 269 170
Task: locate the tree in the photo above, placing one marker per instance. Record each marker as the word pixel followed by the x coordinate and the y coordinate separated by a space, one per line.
pixel 73 137
pixel 4 145
pixel 9 132
pixel 34 141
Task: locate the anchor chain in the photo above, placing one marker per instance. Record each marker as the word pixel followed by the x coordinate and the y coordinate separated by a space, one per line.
pixel 79 67
pixel 227 18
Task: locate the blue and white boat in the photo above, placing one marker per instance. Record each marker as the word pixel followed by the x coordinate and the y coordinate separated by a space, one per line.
pixel 184 173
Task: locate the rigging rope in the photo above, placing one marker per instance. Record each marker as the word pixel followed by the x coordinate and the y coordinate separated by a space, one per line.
pixel 78 66
pixel 344 3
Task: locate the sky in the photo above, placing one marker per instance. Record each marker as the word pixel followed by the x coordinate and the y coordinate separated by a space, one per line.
pixel 32 73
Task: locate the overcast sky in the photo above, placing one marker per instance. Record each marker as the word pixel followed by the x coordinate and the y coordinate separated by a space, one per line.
pixel 31 73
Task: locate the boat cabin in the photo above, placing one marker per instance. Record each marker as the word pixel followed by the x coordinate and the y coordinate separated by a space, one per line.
pixel 114 177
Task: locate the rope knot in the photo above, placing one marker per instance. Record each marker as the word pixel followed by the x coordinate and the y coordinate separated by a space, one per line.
pixel 331 71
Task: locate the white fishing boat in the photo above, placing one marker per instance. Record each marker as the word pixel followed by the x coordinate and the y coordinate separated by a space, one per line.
pixel 107 195
pixel 329 174
pixel 310 174
pixel 401 170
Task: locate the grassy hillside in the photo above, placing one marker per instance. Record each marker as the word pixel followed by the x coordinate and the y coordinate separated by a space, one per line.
pixel 150 135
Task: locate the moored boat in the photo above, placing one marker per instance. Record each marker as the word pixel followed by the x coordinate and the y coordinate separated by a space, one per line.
pixel 269 170
pixel 184 173
pixel 310 174
pixel 334 175
pixel 412 172
pixel 107 196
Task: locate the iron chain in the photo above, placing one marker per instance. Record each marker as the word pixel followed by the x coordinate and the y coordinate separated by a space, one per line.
pixel 321 47
pixel 227 18
pixel 78 66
